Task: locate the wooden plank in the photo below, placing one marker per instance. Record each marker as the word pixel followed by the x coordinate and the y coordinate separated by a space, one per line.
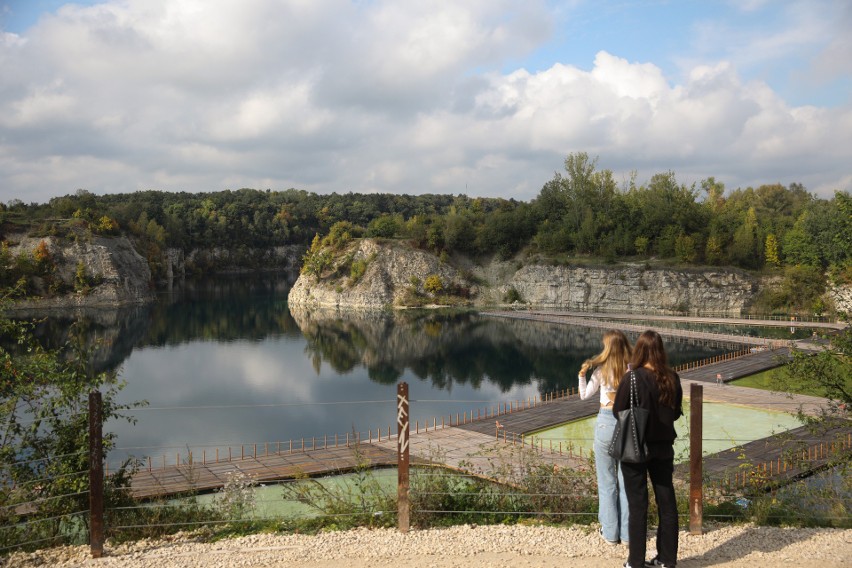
pixel 468 442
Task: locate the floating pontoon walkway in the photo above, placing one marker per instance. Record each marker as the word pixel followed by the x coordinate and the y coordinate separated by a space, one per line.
pixel 493 438
pixel 564 318
pixel 479 445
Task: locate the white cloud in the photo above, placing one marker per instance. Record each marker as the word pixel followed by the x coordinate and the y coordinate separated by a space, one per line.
pixel 330 95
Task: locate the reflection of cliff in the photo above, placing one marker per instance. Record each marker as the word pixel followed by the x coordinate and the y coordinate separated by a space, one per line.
pixel 108 336
pixel 446 347
pixel 227 309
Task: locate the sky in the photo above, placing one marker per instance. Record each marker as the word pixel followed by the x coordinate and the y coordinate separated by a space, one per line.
pixel 475 97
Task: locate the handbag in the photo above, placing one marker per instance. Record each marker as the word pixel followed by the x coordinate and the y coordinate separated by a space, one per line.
pixel 628 439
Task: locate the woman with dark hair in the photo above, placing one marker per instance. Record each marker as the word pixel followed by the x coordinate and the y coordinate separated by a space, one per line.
pixel 609 366
pixel 658 390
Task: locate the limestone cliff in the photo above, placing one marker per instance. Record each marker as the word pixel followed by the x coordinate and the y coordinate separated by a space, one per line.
pixel 392 272
pixel 119 275
pixel 631 288
pixel 394 269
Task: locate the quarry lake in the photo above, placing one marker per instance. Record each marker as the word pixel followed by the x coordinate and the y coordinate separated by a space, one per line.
pixel 227 363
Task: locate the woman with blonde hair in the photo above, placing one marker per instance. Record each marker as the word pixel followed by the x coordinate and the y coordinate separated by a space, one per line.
pixel 609 366
pixel 657 390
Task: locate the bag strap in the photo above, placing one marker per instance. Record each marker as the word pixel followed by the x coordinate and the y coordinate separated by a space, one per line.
pixel 633 399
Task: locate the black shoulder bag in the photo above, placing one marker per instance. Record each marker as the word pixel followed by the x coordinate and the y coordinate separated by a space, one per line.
pixel 628 439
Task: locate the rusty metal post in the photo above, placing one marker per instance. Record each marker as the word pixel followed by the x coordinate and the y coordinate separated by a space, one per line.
pixel 402 452
pixel 696 470
pixel 96 475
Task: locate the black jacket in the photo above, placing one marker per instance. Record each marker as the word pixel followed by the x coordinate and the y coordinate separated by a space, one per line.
pixel 661 432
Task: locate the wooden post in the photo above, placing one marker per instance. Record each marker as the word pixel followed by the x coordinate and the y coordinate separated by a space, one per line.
pixel 96 475
pixel 696 471
pixel 402 456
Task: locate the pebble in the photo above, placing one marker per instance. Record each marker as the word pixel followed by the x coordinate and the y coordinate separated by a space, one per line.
pixel 455 547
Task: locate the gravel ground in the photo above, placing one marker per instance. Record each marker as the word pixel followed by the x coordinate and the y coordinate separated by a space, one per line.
pixel 467 546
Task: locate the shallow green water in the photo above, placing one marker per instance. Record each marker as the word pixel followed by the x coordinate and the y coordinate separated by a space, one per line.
pixel 724 426
pixel 270 499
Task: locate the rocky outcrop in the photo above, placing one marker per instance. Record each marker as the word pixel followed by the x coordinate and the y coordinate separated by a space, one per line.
pixel 841 297
pixel 629 289
pixel 392 272
pixel 118 274
pixel 395 268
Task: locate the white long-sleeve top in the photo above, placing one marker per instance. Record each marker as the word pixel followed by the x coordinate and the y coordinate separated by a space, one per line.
pixel 587 389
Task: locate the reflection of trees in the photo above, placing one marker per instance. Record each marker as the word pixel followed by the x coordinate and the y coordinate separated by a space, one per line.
pixel 107 336
pixel 444 347
pixel 453 347
pixel 227 309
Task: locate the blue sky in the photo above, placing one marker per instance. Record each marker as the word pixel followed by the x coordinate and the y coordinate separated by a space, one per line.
pixel 484 97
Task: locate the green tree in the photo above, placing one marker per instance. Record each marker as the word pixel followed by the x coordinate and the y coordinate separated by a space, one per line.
pixel 713 251
pixel 829 372
pixel 685 248
pixel 44 433
pixel 744 249
pixel 800 248
pixel 771 250
pixel 387 226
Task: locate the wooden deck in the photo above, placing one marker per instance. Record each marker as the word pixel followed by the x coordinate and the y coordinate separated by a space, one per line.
pixel 479 446
pixel 205 477
pixel 753 321
pixel 681 334
pixel 476 445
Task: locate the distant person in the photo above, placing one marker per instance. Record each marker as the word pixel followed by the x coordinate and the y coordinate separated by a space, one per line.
pixel 609 365
pixel 658 390
pixel 718 378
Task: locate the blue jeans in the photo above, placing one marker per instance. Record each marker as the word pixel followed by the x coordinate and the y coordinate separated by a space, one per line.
pixel 612 499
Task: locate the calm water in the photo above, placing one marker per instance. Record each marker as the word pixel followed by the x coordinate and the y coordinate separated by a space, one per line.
pixel 227 363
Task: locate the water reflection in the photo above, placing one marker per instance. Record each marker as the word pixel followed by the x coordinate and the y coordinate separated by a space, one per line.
pixel 226 362
pixel 447 348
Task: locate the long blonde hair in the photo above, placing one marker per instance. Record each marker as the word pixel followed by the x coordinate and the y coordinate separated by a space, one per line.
pixel 613 359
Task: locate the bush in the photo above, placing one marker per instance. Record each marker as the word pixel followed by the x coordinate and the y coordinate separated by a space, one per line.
pixel 512 295
pixel 433 284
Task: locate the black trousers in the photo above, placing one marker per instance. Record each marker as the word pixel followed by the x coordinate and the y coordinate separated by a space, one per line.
pixel 636 486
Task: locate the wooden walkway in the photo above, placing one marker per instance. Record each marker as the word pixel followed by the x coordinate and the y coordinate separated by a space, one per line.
pixel 763 322
pixel 478 446
pixel 204 477
pixel 681 334
pixel 475 445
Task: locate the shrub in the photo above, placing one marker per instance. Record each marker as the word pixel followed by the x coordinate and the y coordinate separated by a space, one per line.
pixel 433 284
pixel 512 295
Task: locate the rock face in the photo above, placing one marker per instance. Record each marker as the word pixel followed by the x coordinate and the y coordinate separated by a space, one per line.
pixel 633 289
pixel 842 297
pixel 392 270
pixel 393 266
pixel 122 275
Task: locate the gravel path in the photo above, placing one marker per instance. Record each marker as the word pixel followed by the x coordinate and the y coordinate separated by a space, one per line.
pixel 466 546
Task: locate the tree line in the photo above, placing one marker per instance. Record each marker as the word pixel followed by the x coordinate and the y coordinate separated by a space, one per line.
pixel 580 212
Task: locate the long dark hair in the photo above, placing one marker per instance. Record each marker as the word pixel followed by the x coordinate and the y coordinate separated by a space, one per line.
pixel 649 350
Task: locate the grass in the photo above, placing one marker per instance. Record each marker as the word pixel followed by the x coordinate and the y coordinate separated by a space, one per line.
pixel 768 380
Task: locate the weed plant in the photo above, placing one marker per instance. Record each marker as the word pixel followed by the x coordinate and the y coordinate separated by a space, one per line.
pixel 356 500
